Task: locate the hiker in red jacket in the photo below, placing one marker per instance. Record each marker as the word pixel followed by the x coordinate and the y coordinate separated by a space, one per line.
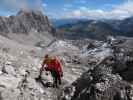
pixel 54 66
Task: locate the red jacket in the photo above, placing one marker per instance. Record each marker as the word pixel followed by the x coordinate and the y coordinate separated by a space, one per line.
pixel 57 66
pixel 53 64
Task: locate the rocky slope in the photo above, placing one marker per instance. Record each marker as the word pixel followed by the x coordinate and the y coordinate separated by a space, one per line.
pixel 90 70
pixel 124 26
pixel 108 79
pixel 20 64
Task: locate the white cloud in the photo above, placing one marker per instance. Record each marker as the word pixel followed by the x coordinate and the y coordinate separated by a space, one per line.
pixel 65 9
pixel 117 12
pixel 44 5
pixel 77 13
pixel 15 5
pixel 83 8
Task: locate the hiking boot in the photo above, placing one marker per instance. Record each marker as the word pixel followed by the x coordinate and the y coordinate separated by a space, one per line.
pixel 55 86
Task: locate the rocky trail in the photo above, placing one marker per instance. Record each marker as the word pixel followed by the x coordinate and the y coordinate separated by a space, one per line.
pixel 19 71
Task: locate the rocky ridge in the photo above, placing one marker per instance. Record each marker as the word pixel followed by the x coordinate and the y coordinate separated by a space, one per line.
pixel 106 80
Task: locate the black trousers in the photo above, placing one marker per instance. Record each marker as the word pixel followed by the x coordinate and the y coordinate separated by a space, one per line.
pixel 56 79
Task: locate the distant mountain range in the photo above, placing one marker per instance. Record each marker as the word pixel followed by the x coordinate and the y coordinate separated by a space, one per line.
pixel 59 22
pixel 33 25
pixel 96 29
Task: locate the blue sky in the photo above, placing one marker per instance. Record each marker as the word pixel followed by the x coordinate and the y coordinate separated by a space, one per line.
pixel 58 8
pixel 91 9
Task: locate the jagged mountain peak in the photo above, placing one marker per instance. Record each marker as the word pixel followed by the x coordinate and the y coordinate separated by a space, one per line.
pixel 27 26
pixel 25 21
pixel 30 12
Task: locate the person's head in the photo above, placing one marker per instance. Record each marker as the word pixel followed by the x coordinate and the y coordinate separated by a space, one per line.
pixel 54 57
pixel 46 56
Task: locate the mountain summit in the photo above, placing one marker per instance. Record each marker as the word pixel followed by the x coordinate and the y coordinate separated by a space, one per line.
pixel 24 22
pixel 27 26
